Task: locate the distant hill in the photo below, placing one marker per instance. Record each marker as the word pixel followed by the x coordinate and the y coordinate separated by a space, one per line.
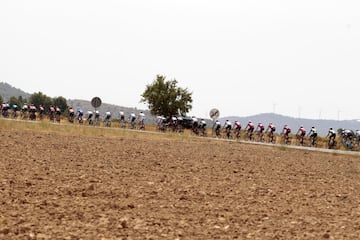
pixel 7 91
pixel 279 120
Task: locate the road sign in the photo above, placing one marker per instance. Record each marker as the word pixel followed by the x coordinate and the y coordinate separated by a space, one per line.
pixel 96 102
pixel 214 113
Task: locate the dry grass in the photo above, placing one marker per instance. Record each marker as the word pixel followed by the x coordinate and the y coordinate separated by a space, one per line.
pixel 83 130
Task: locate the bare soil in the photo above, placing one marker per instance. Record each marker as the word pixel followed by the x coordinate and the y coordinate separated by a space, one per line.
pixel 68 186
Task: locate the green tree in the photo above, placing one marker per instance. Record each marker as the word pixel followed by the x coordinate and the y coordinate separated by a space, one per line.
pixel 166 98
pixel 21 101
pixel 339 131
pixel 61 103
pixel 14 100
pixel 41 99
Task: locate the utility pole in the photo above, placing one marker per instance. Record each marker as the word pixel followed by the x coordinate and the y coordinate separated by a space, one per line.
pixel 274 107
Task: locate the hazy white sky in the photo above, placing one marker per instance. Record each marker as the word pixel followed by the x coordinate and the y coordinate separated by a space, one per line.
pixel 296 58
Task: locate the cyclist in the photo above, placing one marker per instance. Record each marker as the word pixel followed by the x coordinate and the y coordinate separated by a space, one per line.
pixel 132 119
pixel 181 123
pixel 301 134
pixel 122 118
pixel 217 128
pixel 32 111
pixel 332 135
pixel 237 129
pixel 15 108
pixel 227 127
pixel 202 127
pixel 57 114
pixel 90 117
pixel 41 111
pixel 141 120
pixel 347 137
pixel 357 137
pixel 286 132
pixel 52 113
pixel 160 121
pixel 195 125
pixel 260 131
pixel 97 118
pixel 313 135
pixel 250 129
pixel 5 109
pixel 107 119
pixel 71 114
pixel 80 115
pixel 271 129
pixel 173 124
pixel 24 111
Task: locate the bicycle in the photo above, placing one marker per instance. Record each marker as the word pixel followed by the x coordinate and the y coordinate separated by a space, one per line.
pixel 250 134
pixel 228 133
pixel 331 143
pixel 52 116
pixel 218 132
pixel 141 125
pixel 286 139
pixel 313 140
pixel 57 117
pixel 237 133
pixel 260 136
pixel 301 140
pixel 271 137
pixel 32 116
pixel 122 122
pixel 107 122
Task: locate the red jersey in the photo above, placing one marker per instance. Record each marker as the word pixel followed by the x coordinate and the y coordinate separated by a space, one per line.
pixel 250 126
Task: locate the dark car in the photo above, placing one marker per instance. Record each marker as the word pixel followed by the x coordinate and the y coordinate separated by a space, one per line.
pixel 187 122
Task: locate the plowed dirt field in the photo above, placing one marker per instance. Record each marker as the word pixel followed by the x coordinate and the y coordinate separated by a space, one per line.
pixel 64 185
